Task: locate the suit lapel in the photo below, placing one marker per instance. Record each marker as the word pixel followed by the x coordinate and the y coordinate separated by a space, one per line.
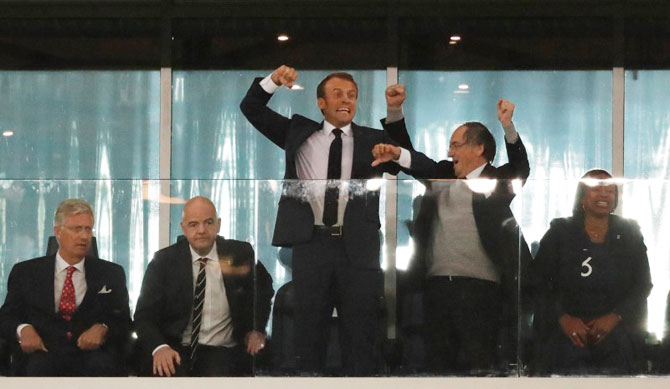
pixel 306 132
pixel 358 161
pixel 93 282
pixel 185 274
pixel 44 285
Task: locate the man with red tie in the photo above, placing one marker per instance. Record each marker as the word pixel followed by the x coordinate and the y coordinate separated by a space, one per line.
pixel 68 311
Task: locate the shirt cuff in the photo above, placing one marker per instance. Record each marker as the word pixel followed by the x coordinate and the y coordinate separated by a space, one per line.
pixel 394 115
pixel 511 136
pixel 19 328
pixel 268 85
pixel 158 348
pixel 405 159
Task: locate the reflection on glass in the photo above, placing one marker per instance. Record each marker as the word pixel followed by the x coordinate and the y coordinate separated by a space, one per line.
pixel 647 156
pixel 589 284
pixel 79 125
pixel 126 222
pixel 128 235
pixel 628 280
pixel 460 286
pixel 212 140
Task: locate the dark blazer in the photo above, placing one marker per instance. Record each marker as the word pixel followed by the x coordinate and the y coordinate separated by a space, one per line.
pixel 166 299
pixel 295 219
pixel 498 230
pixel 563 250
pixel 30 299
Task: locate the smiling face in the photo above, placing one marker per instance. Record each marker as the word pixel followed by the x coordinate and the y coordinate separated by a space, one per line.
pixel 200 224
pixel 465 156
pixel 600 198
pixel 74 236
pixel 339 101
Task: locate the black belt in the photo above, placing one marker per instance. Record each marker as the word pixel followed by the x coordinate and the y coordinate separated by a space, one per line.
pixel 328 230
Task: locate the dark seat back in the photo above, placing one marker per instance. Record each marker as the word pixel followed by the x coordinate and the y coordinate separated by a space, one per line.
pixel 52 247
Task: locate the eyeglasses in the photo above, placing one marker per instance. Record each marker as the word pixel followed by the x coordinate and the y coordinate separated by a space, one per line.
pixel 79 229
pixel 456 145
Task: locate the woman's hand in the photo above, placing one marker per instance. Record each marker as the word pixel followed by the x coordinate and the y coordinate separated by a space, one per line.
pixel 600 327
pixel 575 329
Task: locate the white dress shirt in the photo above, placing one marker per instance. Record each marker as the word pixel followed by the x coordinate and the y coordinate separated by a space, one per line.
pixel 60 273
pixel 312 163
pixel 216 325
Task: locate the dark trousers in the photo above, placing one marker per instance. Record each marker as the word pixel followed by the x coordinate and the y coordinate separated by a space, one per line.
pixel 325 277
pixel 462 325
pixel 210 361
pixel 619 353
pixel 72 362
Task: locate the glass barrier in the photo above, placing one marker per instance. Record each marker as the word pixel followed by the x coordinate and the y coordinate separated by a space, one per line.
pixel 425 278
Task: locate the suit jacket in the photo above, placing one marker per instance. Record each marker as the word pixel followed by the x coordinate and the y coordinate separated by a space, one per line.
pixel 562 251
pixel 166 300
pixel 498 230
pixel 295 218
pixel 30 299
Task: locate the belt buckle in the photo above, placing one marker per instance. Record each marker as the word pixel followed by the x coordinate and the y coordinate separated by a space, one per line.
pixel 337 231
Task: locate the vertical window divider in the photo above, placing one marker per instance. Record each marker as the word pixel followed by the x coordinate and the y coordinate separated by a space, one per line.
pixel 165 159
pixel 618 106
pixel 391 212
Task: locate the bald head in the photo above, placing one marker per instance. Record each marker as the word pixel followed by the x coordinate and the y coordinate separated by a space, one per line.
pixel 200 224
pixel 196 203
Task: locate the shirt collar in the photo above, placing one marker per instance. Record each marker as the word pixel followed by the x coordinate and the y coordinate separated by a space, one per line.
pixel 475 173
pixel 328 128
pixel 61 265
pixel 212 255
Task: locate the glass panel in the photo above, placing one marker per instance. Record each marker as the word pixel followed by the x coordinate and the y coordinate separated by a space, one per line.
pixel 589 284
pixel 127 233
pixel 206 112
pixel 646 156
pixel 248 209
pixel 107 124
pixel 647 124
pixel 455 286
pixel 126 222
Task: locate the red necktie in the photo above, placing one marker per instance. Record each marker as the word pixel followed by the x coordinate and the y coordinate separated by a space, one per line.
pixel 68 303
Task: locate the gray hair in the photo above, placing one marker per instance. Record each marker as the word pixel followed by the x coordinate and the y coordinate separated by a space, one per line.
pixel 71 207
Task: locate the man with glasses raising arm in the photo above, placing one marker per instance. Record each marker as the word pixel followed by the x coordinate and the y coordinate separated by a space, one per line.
pixel 68 311
pixel 469 249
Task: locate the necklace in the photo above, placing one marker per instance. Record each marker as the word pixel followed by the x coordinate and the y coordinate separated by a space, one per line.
pixel 596 232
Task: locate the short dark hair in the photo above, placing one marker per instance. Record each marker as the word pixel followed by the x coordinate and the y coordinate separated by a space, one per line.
pixel 477 134
pixel 582 187
pixel 320 89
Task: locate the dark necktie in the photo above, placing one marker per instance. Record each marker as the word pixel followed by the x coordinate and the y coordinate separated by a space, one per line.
pixel 334 173
pixel 68 302
pixel 198 300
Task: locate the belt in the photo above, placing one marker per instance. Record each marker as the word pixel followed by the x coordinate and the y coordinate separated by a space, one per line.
pixel 328 230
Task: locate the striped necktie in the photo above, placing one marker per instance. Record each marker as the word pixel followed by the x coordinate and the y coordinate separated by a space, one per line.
pixel 198 300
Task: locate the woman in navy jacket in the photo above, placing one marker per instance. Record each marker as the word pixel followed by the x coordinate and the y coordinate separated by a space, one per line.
pixel 591 276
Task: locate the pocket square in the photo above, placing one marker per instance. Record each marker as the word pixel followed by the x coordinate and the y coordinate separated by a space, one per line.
pixel 104 290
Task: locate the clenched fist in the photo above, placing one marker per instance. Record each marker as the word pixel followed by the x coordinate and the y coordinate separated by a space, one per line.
pixel 284 75
pixel 395 96
pixel 505 111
